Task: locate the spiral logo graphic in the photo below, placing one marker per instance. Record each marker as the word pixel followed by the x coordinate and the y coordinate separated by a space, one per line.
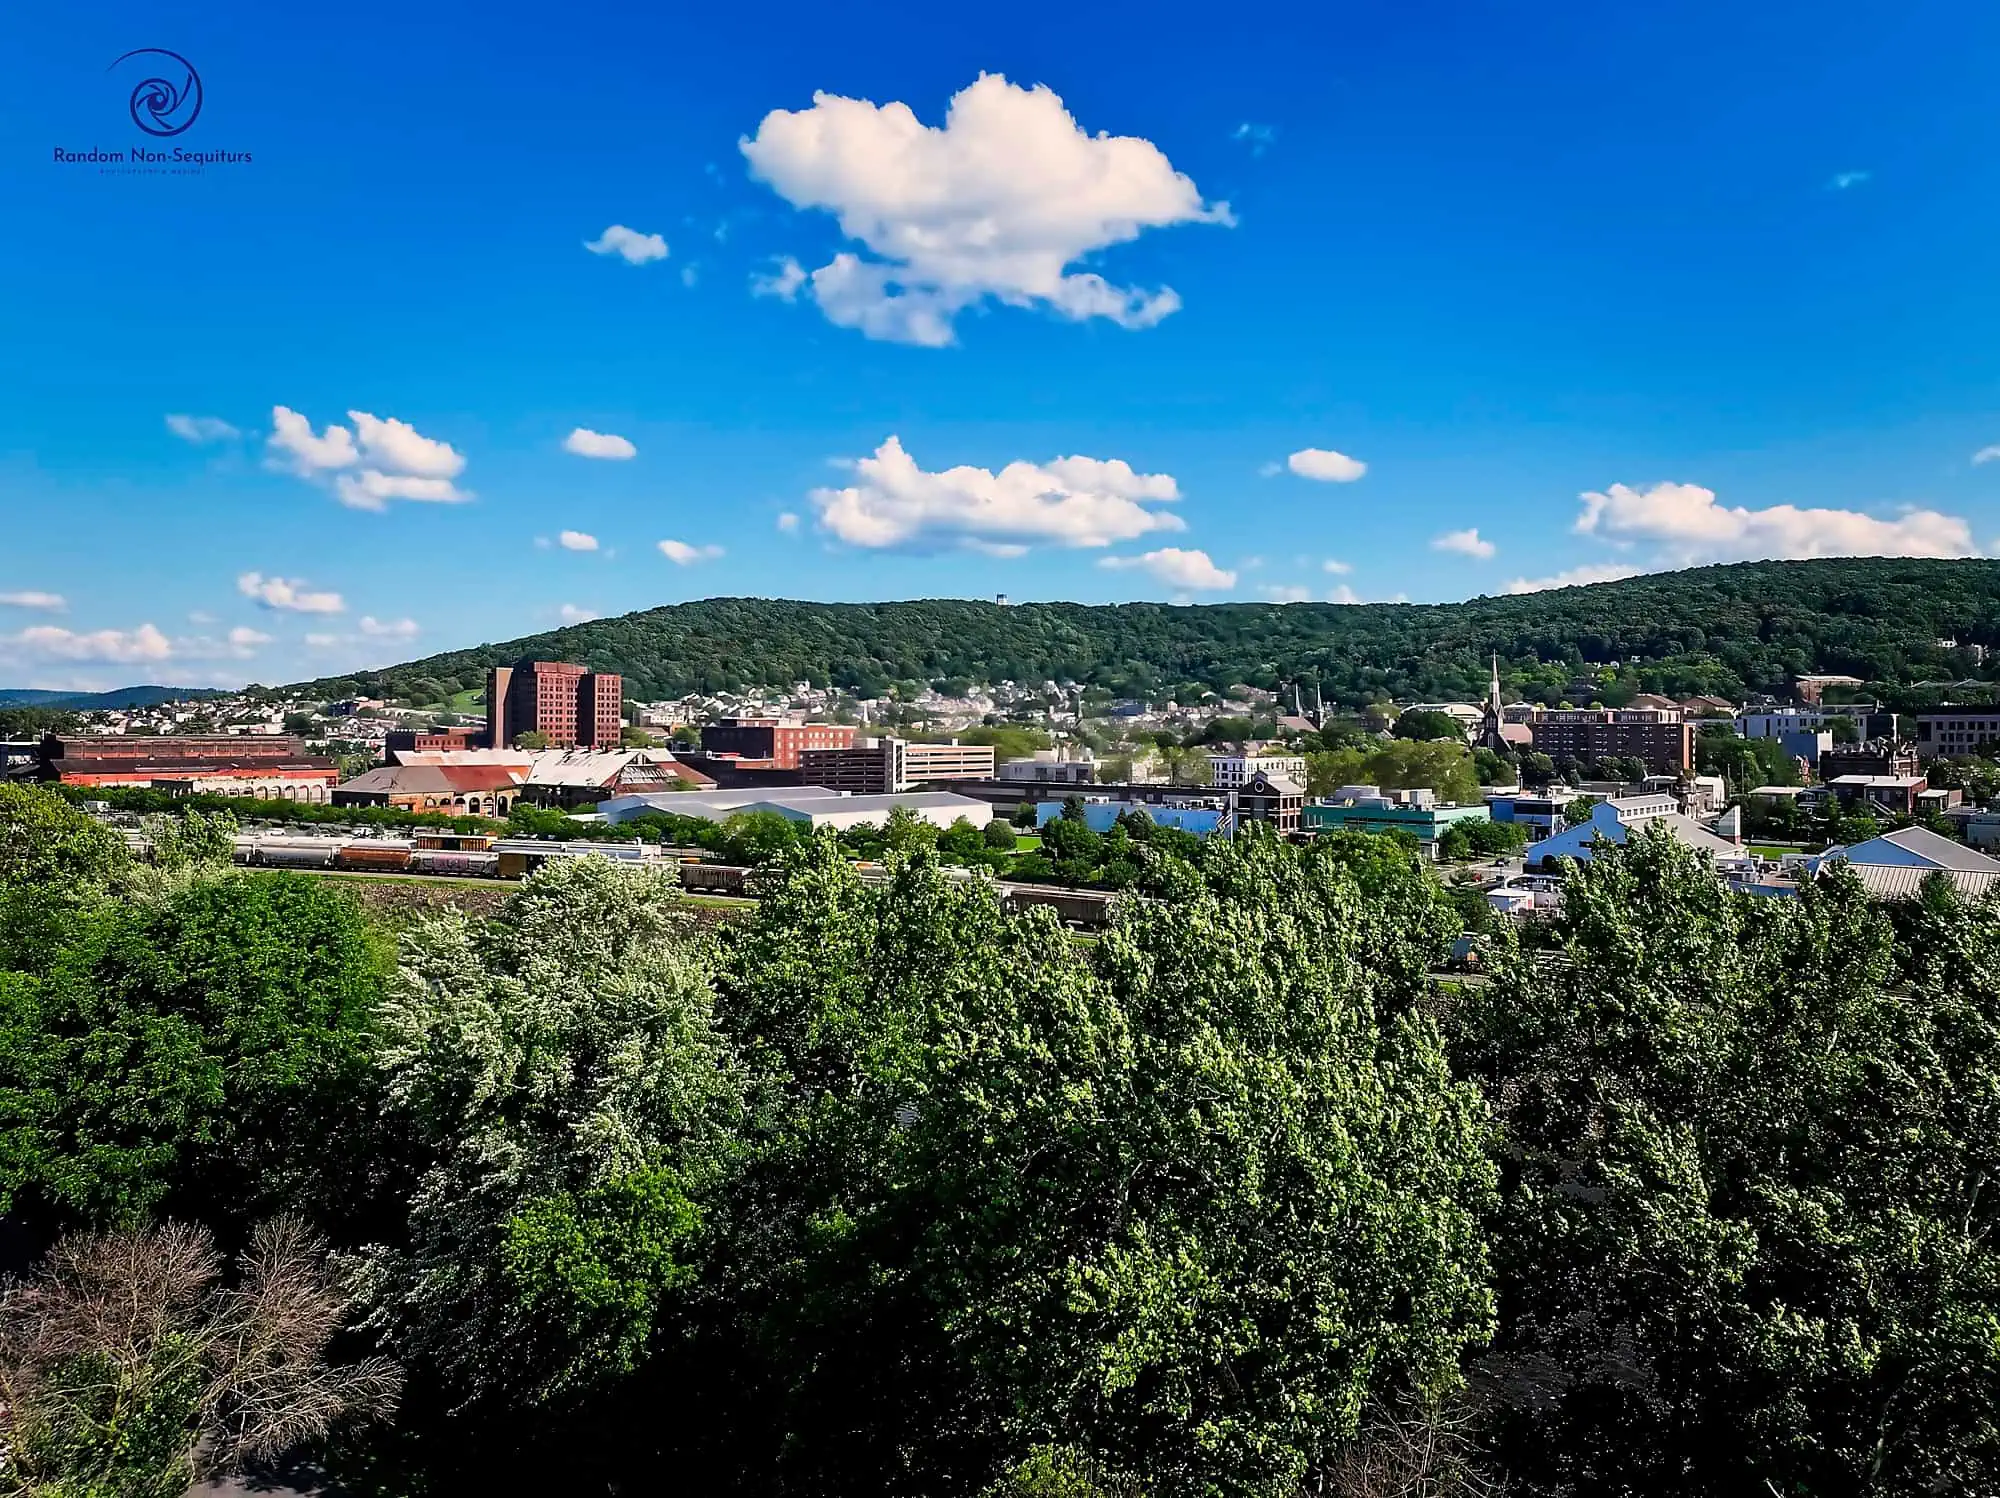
pixel 165 106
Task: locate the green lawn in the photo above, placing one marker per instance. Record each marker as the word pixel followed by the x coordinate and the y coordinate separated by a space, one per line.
pixel 471 700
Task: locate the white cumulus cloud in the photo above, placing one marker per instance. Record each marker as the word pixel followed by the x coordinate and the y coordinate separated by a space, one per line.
pixel 200 429
pixel 1182 569
pixel 294 445
pixel 240 644
pixel 681 554
pixel 1286 592
pixel 1337 567
pixel 577 541
pixel 390 460
pixel 588 444
pixel 1000 201
pixel 1987 454
pixel 388 629
pixel 110 646
pixel 371 489
pixel 1688 527
pixel 1075 501
pixel 783 280
pixel 32 598
pixel 571 614
pixel 629 245
pixel 397 447
pixel 1574 577
pixel 289 594
pixel 1327 466
pixel 1467 543
pixel 788 522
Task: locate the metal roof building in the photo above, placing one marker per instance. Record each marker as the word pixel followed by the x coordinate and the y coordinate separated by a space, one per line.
pixel 813 805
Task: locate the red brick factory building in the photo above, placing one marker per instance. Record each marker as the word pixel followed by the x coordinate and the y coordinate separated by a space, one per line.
pixel 274 766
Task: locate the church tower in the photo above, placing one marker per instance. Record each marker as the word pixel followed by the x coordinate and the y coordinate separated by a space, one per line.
pixel 1490 734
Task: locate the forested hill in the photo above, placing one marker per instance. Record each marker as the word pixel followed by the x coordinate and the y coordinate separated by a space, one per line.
pixel 1723 630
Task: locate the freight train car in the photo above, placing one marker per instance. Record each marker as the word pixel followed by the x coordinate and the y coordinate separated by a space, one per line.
pixel 461 865
pixel 1089 908
pixel 715 878
pixel 454 842
pixel 288 852
pixel 374 855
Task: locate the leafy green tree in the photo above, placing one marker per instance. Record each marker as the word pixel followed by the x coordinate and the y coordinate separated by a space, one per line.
pixel 1494 769
pixel 1009 741
pixel 183 850
pixel 1400 764
pixel 1494 839
pixel 1577 810
pixel 1537 769
pixel 755 837
pixel 904 831
pixel 55 861
pixel 999 836
pixel 962 840
pixel 532 738
pixel 1743 763
pixel 1745 1239
pixel 562 1069
pixel 1428 724
pixel 1075 848
pixel 197 1055
pixel 1041 1207
pixel 18 722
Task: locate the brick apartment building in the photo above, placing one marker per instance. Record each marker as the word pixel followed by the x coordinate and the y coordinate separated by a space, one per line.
pixel 570 705
pixel 1267 797
pixel 1661 736
pixel 271 765
pixel 777 742
pixel 884 766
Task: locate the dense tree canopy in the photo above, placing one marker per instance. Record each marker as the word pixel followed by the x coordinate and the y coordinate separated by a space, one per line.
pixel 1723 630
pixel 1745 1239
pixel 885 1189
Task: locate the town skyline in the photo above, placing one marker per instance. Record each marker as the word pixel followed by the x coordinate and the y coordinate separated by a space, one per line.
pixel 1339 308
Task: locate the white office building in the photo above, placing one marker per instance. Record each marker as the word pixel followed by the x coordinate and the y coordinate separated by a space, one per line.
pixel 1231 772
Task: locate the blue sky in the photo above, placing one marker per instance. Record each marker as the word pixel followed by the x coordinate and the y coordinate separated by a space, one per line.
pixel 1724 269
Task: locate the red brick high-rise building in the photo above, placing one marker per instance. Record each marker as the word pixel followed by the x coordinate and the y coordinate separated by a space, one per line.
pixel 568 704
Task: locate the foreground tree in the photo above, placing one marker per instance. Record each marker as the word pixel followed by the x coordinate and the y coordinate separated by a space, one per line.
pixel 54 862
pixel 1745 1240
pixel 561 1072
pixel 128 1370
pixel 1184 1201
pixel 196 1053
